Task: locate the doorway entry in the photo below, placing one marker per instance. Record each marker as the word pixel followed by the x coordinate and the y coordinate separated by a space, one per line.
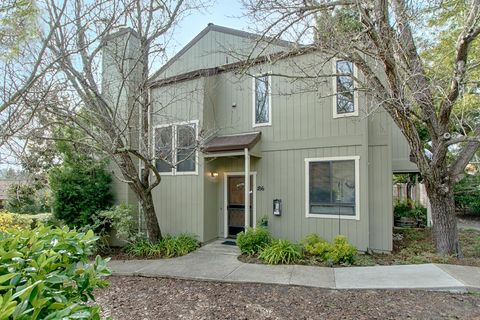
pixel 234 214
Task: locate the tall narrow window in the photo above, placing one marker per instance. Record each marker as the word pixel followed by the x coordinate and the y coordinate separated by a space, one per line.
pixel 163 148
pixel 262 107
pixel 332 187
pixel 345 91
pixel 186 137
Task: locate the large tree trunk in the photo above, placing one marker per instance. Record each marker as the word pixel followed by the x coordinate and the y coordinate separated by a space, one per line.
pixel 444 220
pixel 153 229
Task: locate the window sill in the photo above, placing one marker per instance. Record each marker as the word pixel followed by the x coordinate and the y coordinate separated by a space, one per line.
pixel 345 115
pixel 332 216
pixel 186 173
pixel 256 125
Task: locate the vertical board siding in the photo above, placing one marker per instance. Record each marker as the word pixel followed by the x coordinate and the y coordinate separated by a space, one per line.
pixel 302 127
pixel 380 198
pixel 182 102
pixel 211 209
pixel 212 50
pixel 282 174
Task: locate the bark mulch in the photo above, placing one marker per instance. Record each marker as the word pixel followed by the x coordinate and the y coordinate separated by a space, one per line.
pixel 159 298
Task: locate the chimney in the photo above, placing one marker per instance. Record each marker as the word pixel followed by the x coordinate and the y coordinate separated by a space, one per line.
pixel 121 78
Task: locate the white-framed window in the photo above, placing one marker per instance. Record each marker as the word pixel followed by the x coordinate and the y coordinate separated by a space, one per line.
pixel 175 148
pixel 345 99
pixel 262 100
pixel 332 187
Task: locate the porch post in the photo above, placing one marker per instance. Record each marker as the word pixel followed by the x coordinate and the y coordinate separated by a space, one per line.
pixel 247 188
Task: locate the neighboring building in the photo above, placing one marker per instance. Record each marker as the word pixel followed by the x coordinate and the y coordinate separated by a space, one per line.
pixel 313 160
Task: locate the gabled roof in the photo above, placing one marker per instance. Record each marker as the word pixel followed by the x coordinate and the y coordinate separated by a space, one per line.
pixel 212 27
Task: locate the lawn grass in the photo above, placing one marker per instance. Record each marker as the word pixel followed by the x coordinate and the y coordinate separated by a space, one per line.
pixel 415 246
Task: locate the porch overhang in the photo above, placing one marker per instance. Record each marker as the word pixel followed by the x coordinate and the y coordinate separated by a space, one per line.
pixel 233 145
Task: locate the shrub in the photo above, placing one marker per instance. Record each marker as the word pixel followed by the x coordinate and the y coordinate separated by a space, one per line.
pixel 253 240
pixel 411 209
pixel 11 221
pixel 341 252
pixel 45 274
pixel 316 246
pixel 119 218
pixel 281 252
pixel 169 246
pixel 467 194
pixel 80 189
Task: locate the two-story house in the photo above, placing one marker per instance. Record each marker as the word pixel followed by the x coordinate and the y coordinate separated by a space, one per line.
pixel 312 154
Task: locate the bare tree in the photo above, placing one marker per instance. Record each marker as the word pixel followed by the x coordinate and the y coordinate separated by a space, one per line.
pixel 100 55
pixel 383 39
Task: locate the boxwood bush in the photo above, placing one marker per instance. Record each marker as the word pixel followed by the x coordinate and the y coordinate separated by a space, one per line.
pixel 340 251
pixel 45 274
pixel 253 240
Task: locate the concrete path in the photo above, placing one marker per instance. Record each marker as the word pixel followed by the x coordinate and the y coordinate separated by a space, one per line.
pixel 216 261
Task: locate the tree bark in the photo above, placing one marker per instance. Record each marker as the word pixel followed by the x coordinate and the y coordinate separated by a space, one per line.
pixel 153 229
pixel 444 220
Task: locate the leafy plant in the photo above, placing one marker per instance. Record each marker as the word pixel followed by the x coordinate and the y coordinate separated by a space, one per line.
pixel 144 248
pixel 253 240
pixel 169 246
pixel 263 222
pixel 341 251
pixel 411 209
pixel 119 218
pixel 179 245
pixel 281 252
pixel 45 274
pixel 467 194
pixel 316 246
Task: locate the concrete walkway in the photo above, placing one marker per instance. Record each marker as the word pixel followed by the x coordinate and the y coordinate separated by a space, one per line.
pixel 216 261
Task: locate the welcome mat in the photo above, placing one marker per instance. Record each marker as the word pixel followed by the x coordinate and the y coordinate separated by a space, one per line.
pixel 229 243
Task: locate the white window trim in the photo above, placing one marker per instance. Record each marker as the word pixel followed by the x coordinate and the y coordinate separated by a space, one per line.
pixel 174 125
pixel 357 188
pixel 355 93
pixel 254 100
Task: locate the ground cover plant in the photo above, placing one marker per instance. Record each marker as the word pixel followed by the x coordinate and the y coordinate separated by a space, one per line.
pixel 168 247
pixel 281 252
pixel 45 274
pixel 257 246
pixel 413 246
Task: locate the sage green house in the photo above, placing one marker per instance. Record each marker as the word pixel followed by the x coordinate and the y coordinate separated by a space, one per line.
pixel 311 154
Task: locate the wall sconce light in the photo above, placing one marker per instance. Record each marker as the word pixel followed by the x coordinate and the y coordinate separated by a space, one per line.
pixel 213 174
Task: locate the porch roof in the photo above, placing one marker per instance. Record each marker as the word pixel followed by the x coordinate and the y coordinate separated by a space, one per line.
pixel 232 142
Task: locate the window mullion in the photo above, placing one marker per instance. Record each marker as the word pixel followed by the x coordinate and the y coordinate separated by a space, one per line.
pixel 174 148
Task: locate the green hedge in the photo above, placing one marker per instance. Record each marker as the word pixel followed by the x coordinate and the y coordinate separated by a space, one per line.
pixel 45 274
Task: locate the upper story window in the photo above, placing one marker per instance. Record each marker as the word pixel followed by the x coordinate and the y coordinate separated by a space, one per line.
pixel 175 148
pixel 345 99
pixel 332 187
pixel 262 101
